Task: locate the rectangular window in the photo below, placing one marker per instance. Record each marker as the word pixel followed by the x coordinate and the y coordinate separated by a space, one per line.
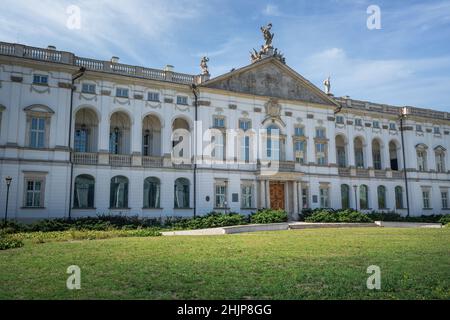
pixel 299 131
pixel 340 119
pixel 376 124
pixel 219 122
pixel 245 149
pixel 324 201
pixel 245 125
pixel 426 199
pixel 221 196
pixel 321 153
pixel 247 196
pixel 305 198
pixel 358 122
pixel 88 88
pixel 392 126
pixel 320 133
pixel 122 92
pixel 34 193
pixel 418 128
pixel 437 130
pixel 444 198
pixel 183 100
pixel 153 96
pixel 37 133
pixel 40 79
pixel 300 151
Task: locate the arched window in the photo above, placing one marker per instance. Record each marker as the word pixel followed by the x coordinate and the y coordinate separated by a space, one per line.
pixel 376 154
pixel 398 197
pixel 151 136
pixel 119 193
pixel 86 128
pixel 381 197
pixel 181 193
pixel 440 159
pixel 393 156
pixel 119 133
pixel 84 192
pixel 345 196
pixel 359 153
pixel 181 140
pixel 152 193
pixel 364 197
pixel 421 151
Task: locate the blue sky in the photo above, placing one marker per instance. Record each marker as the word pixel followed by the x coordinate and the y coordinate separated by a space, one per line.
pixel 407 62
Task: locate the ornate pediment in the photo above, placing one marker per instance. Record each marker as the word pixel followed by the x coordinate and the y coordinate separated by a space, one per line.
pixel 271 78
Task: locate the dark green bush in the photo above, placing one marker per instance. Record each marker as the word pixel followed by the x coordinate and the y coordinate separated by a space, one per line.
pixel 211 220
pixel 395 217
pixel 7 242
pixel 269 216
pixel 445 219
pixel 350 216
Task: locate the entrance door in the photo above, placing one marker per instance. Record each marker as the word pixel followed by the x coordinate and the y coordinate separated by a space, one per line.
pixel 277 196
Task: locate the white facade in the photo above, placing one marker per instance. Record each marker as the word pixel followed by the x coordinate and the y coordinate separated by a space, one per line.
pixel 131 137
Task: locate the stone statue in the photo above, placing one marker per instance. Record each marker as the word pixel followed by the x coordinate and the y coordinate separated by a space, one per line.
pixel 327 84
pixel 268 36
pixel 204 66
pixel 255 55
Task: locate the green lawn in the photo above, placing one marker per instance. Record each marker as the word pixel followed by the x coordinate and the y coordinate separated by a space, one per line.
pixel 304 264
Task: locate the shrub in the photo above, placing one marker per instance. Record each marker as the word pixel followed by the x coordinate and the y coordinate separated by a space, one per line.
pixel 445 219
pixel 7 242
pixel 211 220
pixel 269 216
pixel 349 216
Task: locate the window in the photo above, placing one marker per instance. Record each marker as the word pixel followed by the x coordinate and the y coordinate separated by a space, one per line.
pixel 183 100
pixel 376 154
pixel 426 199
pixel 364 197
pixel 358 122
pixel 320 133
pixel 381 191
pixel 147 141
pixel 299 131
pixel 340 120
pixel 181 193
pixel 345 196
pixel 37 132
pixel 341 151
pixel 221 195
pixel 88 88
pixel 217 146
pixel 152 193
pixel 245 149
pixel 219 122
pixel 153 96
pixel 321 153
pixel 359 153
pixel 273 143
pixel 419 128
pixel 305 198
pixel 122 92
pixel 245 124
pixel 84 192
pixel 421 157
pixel 440 159
pixel 437 130
pixel 81 139
pixel 376 124
pixel 398 197
pixel 324 200
pixel 119 193
pixel 114 141
pixel 392 126
pixel 444 198
pixel 300 152
pixel 40 79
pixel 247 196
pixel 34 192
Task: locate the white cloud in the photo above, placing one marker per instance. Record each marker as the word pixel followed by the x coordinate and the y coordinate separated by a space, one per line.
pixel 271 10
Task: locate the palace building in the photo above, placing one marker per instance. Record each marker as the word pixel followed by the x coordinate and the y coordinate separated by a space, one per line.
pixel 83 137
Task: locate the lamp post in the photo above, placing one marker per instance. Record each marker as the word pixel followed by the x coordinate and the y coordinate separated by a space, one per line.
pixel 403 114
pixel 355 187
pixel 8 184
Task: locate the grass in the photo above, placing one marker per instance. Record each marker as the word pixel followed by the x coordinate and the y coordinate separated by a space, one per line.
pixel 303 264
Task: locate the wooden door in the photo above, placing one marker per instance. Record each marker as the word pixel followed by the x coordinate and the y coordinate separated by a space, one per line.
pixel 277 200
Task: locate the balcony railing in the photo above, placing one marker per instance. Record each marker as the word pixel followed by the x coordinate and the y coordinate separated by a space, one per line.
pixel 85 158
pixel 120 160
pixel 380 174
pixel 398 174
pixel 364 173
pixel 152 162
pixel 344 171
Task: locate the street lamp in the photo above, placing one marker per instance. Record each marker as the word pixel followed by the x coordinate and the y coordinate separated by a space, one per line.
pixel 8 184
pixel 403 114
pixel 355 187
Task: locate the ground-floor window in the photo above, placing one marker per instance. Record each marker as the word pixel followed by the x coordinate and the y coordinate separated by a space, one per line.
pixel 444 198
pixel 84 192
pixel 324 199
pixel 364 197
pixel 34 192
pixel 181 193
pixel 398 197
pixel 221 195
pixel 119 193
pixel 305 198
pixel 152 193
pixel 345 196
pixel 426 198
pixel 247 196
pixel 381 192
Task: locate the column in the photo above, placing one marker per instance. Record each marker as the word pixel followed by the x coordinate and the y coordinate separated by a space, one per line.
pixel 262 192
pixel 295 193
pixel 267 182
